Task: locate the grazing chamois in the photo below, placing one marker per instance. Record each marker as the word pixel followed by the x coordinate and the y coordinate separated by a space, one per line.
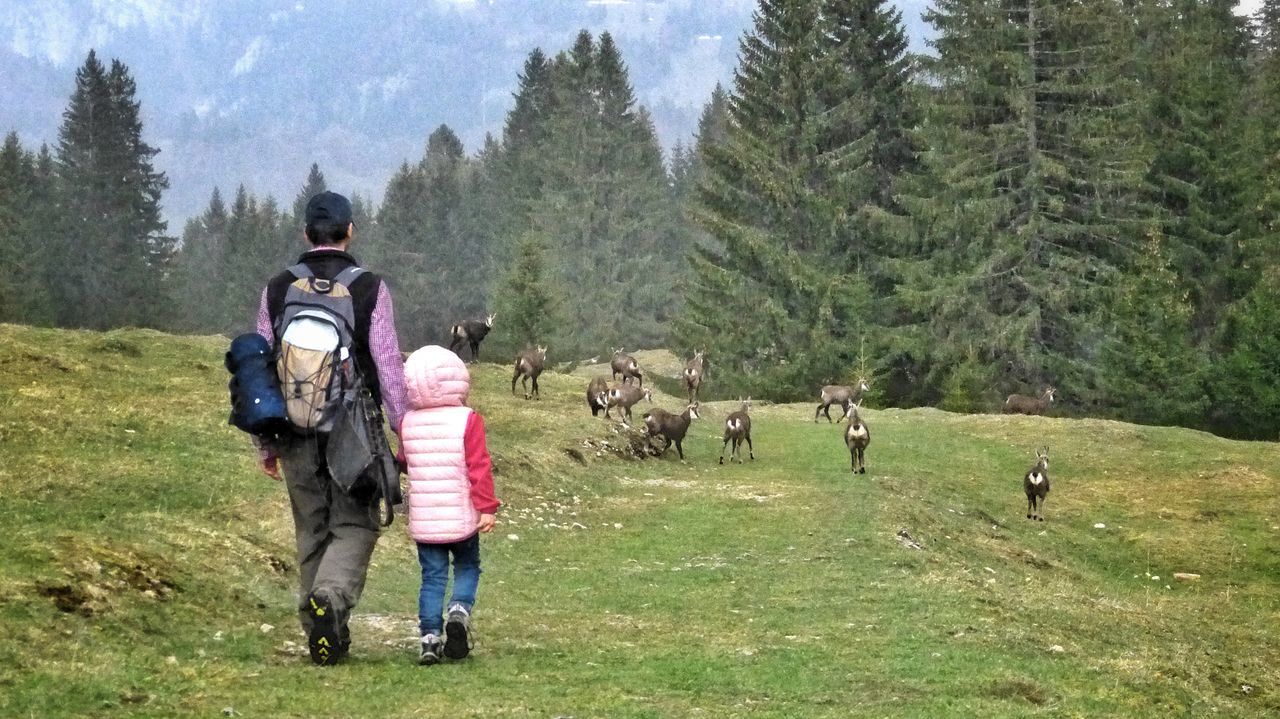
pixel 737 427
pixel 694 373
pixel 840 394
pixel 1036 484
pixel 1022 404
pixel 671 427
pixel 625 365
pixel 857 437
pixel 470 332
pixel 626 396
pixel 529 365
pixel 598 396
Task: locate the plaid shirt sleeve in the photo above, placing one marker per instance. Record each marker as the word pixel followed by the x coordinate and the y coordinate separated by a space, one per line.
pixel 384 345
pixel 265 452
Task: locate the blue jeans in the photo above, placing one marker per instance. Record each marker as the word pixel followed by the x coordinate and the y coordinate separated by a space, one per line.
pixel 434 559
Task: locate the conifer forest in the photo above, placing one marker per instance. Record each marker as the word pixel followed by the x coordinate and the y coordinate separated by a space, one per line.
pixel 1082 194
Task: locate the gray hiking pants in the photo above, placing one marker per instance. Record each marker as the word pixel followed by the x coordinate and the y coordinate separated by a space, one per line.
pixel 335 531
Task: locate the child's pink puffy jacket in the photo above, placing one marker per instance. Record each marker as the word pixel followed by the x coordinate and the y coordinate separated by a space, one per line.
pixel 450 474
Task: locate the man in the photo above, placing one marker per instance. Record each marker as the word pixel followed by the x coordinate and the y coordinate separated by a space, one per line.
pixel 335 531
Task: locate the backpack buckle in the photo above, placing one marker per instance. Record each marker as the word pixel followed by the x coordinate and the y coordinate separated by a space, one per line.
pixel 321 286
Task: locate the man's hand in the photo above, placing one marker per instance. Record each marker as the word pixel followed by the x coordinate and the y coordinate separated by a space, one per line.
pixel 486 522
pixel 271 467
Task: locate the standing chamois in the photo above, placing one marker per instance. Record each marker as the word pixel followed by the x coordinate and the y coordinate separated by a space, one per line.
pixel 857 437
pixel 840 394
pixel 671 427
pixel 470 332
pixel 626 396
pixel 1036 484
pixel 1022 404
pixel 694 373
pixel 625 365
pixel 528 366
pixel 598 396
pixel 737 427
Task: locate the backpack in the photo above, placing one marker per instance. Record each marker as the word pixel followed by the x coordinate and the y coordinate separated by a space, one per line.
pixel 314 359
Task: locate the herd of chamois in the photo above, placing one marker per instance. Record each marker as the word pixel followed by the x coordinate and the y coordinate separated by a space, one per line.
pixel 672 428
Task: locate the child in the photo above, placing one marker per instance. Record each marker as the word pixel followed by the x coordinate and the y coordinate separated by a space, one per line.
pixel 451 498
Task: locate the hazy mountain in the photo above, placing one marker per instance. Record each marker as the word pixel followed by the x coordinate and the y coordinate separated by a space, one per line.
pixel 253 91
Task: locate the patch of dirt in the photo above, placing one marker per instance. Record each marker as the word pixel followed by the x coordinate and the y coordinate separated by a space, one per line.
pixel 95 578
pixel 1019 688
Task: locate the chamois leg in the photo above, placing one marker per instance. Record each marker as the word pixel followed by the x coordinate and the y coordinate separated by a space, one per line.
pixel 750 448
pixel 514 377
pixel 853 460
pixel 722 447
pixel 1030 506
pixel 680 449
pixel 844 416
pixel 1040 509
pixel 537 393
pixel 818 411
pixel 475 351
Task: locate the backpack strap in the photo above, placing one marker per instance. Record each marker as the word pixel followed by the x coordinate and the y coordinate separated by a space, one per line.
pixel 348 276
pixel 300 271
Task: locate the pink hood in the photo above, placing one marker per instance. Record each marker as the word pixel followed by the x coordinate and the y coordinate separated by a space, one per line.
pixel 435 377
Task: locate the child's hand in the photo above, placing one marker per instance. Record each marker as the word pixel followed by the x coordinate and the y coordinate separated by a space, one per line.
pixel 486 522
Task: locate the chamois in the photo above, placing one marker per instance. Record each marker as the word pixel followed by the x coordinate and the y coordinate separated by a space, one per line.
pixel 843 395
pixel 1022 404
pixel 598 396
pixel 625 365
pixel 470 332
pixel 626 396
pixel 737 427
pixel 1036 484
pixel 528 366
pixel 671 427
pixel 857 437
pixel 694 373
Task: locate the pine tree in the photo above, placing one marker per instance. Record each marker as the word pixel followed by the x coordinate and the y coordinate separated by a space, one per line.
pixel 786 193
pixel 1195 51
pixel 526 302
pixel 1032 190
pixel 201 264
pixel 112 204
pixel 22 290
pixel 1150 372
pixel 1246 379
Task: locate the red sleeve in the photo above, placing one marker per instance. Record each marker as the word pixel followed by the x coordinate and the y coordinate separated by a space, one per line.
pixel 479 466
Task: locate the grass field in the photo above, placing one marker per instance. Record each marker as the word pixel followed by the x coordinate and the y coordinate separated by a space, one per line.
pixel 146 569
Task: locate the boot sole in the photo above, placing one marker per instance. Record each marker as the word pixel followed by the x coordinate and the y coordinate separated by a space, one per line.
pixel 455 640
pixel 324 642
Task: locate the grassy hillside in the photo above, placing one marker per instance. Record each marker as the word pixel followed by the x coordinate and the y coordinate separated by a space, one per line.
pixel 146 569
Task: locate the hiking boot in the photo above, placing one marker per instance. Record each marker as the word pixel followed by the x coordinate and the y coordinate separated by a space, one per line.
pixel 325 641
pixel 457 624
pixel 430 651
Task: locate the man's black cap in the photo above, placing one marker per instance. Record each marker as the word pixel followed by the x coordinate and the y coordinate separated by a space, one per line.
pixel 328 207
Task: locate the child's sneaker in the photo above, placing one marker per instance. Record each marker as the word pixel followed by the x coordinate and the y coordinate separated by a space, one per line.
pixel 456 627
pixel 325 641
pixel 430 652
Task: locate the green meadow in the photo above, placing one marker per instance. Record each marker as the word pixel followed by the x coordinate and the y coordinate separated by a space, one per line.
pixel 147 568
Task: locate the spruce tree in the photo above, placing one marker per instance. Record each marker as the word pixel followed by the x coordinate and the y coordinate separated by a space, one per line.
pixel 1150 372
pixel 1192 56
pixel 21 292
pixel 526 301
pixel 200 274
pixel 786 194
pixel 111 197
pixel 1032 191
